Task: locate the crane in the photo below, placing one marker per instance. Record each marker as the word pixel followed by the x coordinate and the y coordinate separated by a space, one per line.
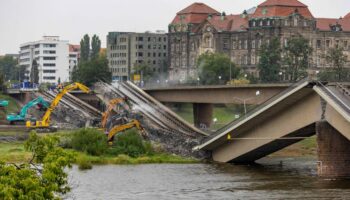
pixel 45 122
pixel 21 116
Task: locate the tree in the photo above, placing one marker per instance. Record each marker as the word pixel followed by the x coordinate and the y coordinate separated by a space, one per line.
pixel 34 73
pixel 270 61
pixel 29 181
pixel 337 59
pixel 215 68
pixel 92 71
pixel 7 67
pixel 95 46
pixel 144 70
pixel 296 57
pixel 85 48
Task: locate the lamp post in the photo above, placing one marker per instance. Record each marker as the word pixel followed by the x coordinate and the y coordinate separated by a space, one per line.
pixel 257 93
pixel 280 74
pixel 198 79
pixel 220 80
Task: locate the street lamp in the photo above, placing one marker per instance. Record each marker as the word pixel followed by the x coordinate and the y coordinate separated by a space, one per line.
pixel 198 79
pixel 220 80
pixel 257 93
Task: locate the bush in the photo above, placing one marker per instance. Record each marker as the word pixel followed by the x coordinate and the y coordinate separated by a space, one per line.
pixel 130 143
pixel 91 141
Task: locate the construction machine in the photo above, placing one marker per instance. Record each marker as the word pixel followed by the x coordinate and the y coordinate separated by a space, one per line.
pixel 4 103
pixel 45 122
pixel 123 127
pixel 106 114
pixel 21 115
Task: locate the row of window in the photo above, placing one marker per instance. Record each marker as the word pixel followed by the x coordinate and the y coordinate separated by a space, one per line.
pixel 49 58
pixel 151 39
pixel 118 47
pixel 140 46
pixel 268 22
pixel 49 71
pixel 119 70
pixel 49 78
pixel 117 55
pixel 154 62
pixel 118 62
pixel 328 43
pixel 149 54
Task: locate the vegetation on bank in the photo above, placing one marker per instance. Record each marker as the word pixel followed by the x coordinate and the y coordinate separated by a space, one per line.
pixel 89 147
pixel 11 108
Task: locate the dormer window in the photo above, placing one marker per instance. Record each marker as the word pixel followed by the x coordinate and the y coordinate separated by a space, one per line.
pixel 254 23
pixel 261 23
pixel 305 23
pixel 268 23
pixel 295 21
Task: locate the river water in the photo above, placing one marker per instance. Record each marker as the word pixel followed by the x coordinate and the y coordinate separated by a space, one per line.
pixel 274 178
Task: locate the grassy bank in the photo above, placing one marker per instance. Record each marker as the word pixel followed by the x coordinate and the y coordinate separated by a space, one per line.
pixel 15 153
pixel 11 108
pixel 307 147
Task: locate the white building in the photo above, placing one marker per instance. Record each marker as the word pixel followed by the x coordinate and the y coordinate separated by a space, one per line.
pixel 52 57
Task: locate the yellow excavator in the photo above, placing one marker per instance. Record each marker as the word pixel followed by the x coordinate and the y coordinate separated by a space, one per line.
pixel 45 122
pixel 108 111
pixel 121 126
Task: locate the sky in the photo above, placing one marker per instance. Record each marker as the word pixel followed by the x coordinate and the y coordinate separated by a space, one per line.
pixel 23 21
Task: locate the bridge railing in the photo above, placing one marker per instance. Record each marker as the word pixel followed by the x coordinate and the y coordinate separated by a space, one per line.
pixel 256 109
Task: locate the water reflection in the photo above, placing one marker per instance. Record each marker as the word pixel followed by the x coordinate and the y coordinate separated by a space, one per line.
pixel 272 179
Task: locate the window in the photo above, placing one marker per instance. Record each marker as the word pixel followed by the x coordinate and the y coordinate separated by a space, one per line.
pixel 254 23
pixel 233 44
pixel 337 43
pixel 164 47
pixel 285 42
pixel 225 44
pixel 49 45
pixel 49 52
pixel 328 43
pixel 345 44
pixel 49 78
pixel 268 23
pixel 49 71
pixel 253 44
pixel 318 44
pixel 49 58
pixel 286 22
pixel 305 23
pixel 246 44
pixel 295 21
pixel 240 44
pixel 49 65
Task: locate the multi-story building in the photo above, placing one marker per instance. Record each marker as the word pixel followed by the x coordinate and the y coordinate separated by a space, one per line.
pixel 52 57
pixel 127 49
pixel 74 56
pixel 198 29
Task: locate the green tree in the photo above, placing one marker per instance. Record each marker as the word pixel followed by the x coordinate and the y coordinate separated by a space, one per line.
pixel 337 60
pixel 95 46
pixel 29 181
pixel 296 57
pixel 7 67
pixel 34 73
pixel 270 61
pixel 85 48
pixel 144 70
pixel 90 72
pixel 215 68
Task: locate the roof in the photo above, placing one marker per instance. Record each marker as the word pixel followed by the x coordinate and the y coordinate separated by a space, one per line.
pixel 74 48
pixel 198 8
pixel 324 24
pixel 195 14
pixel 229 23
pixel 347 16
pixel 281 8
pixel 293 3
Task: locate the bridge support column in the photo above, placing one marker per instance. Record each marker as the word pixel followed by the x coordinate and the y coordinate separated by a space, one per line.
pixel 333 152
pixel 203 115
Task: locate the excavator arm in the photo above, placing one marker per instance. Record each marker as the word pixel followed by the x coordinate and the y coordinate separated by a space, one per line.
pixel 45 122
pixel 108 111
pixel 120 128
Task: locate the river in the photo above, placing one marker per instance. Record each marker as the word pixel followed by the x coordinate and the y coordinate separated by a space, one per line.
pixel 272 178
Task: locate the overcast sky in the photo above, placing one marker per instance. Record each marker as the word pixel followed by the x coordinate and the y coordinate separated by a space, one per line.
pixel 28 20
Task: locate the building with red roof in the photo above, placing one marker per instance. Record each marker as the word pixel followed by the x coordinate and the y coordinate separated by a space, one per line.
pixel 199 29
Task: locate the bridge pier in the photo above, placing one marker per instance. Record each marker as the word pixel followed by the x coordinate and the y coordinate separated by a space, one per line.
pixel 333 152
pixel 203 115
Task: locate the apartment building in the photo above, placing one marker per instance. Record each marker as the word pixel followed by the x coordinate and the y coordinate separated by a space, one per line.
pixel 127 49
pixel 52 57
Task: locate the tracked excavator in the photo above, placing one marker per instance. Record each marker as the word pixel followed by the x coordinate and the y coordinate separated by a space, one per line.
pixel 21 115
pixel 121 120
pixel 45 121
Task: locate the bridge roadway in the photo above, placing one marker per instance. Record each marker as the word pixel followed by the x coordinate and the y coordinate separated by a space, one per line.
pixel 217 94
pixel 303 110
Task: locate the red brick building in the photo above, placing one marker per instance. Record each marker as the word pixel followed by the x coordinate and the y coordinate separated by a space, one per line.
pixel 199 28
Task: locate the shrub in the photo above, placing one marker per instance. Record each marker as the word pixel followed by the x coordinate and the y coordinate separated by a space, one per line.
pixel 91 141
pixel 130 143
